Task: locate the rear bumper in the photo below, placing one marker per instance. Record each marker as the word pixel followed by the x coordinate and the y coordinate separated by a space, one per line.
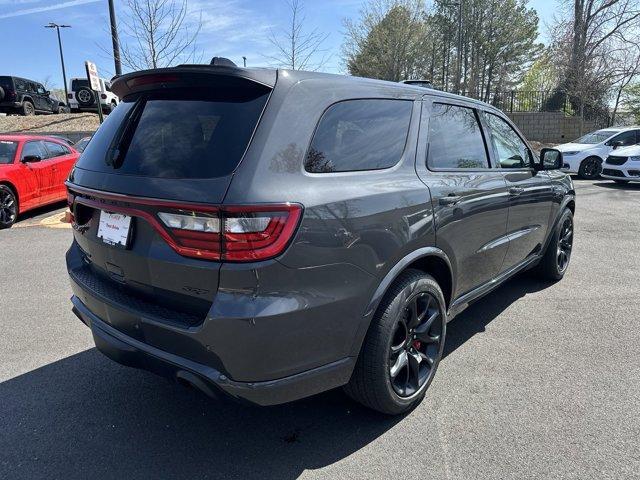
pixel 131 352
pixel 9 107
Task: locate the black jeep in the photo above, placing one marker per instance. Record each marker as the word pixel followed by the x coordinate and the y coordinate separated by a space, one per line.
pixel 26 97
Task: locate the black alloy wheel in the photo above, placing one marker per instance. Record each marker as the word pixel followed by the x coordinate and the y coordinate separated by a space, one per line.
pixel 8 207
pixel 565 244
pixel 403 346
pixel 590 168
pixel 415 348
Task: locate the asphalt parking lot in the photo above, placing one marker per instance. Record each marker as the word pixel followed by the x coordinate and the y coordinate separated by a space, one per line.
pixel 539 381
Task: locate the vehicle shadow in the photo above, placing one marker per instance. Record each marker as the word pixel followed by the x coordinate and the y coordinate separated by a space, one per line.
pixel 86 417
pixel 36 212
pixel 618 186
pixel 478 315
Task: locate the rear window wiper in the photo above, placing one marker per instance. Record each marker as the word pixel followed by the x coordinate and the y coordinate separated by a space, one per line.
pixel 122 140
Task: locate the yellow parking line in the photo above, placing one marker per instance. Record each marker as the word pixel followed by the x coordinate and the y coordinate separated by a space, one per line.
pixel 55 221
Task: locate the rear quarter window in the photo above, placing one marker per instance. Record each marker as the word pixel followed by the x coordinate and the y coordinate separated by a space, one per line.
pixel 354 135
pixel 6 82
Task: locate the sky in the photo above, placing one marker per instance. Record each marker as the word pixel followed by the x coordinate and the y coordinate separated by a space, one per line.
pixel 230 28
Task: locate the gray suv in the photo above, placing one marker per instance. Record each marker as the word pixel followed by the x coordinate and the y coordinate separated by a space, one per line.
pixel 272 234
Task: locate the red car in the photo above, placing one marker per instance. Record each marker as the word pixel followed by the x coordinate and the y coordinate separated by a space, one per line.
pixel 33 170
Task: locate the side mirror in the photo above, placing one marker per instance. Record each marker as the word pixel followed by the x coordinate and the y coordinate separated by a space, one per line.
pixel 615 144
pixel 550 159
pixel 47 92
pixel 31 159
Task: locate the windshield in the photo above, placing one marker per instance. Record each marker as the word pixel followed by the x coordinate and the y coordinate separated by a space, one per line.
pixel 7 151
pixel 596 137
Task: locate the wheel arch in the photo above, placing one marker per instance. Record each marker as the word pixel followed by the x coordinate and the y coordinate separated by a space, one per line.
pixel 430 260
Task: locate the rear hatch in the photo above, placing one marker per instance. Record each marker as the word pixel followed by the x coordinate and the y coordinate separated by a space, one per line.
pixel 146 192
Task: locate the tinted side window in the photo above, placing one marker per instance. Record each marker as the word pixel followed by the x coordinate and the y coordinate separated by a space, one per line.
pixel 33 148
pixel 512 151
pixel 455 138
pixel 360 135
pixel 627 138
pixel 56 150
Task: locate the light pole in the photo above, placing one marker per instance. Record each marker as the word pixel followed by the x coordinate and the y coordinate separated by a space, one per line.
pixel 244 61
pixel 64 73
pixel 114 38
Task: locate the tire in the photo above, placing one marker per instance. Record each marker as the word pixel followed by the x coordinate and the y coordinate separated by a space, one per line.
pixel 590 168
pixel 8 207
pixel 397 363
pixel 555 262
pixel 86 97
pixel 28 109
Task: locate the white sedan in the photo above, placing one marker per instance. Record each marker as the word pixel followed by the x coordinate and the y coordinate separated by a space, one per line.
pixel 623 165
pixel 585 155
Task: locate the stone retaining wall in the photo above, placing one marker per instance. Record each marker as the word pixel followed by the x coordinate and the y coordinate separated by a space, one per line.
pixel 551 127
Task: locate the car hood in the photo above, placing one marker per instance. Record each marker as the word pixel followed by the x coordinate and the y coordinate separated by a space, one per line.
pixel 632 151
pixel 575 147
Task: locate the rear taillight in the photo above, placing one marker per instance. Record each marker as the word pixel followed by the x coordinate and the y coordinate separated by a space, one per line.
pixel 69 95
pixel 103 96
pixel 236 234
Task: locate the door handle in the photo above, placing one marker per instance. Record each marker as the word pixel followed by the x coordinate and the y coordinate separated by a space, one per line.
pixel 515 191
pixel 449 200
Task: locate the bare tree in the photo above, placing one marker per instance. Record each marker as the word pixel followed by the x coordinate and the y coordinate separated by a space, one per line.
pixel 628 68
pixel 296 48
pixel 595 34
pixel 158 33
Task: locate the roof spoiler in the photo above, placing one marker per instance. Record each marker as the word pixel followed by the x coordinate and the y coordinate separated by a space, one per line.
pixel 193 76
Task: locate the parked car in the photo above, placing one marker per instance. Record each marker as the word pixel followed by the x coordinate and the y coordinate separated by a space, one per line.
pixel 33 170
pixel 623 165
pixel 82 98
pixel 66 140
pixel 26 97
pixel 82 144
pixel 585 155
pixel 271 234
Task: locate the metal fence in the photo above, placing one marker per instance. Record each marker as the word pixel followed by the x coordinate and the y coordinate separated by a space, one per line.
pixel 543 101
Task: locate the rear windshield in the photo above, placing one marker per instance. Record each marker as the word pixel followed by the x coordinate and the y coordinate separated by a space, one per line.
pixel 193 134
pixel 7 151
pixel 6 82
pixel 77 83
